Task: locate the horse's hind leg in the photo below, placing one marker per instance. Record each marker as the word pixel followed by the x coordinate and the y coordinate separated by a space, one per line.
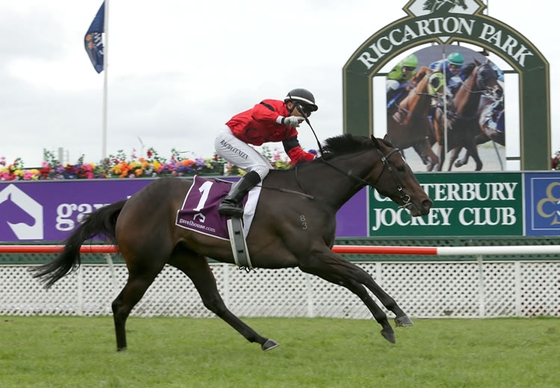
pixel 197 269
pixel 477 159
pixel 135 287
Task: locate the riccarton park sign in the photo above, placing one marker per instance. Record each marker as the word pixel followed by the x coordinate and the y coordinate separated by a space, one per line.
pixel 445 22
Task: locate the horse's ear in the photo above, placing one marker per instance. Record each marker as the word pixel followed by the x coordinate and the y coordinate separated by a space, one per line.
pixel 375 141
pixel 388 141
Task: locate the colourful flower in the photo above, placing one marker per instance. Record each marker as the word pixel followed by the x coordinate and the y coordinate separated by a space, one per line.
pixel 134 166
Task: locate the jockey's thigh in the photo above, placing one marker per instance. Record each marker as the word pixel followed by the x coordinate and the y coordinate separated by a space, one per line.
pixel 240 153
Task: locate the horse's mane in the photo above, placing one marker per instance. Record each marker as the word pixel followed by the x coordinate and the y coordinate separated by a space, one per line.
pixel 469 68
pixel 348 143
pixel 341 145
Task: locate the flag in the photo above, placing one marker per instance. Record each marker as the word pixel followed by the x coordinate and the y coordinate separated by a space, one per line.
pixel 94 39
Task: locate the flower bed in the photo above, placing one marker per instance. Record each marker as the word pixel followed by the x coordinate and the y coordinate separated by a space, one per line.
pixel 120 166
pixel 556 161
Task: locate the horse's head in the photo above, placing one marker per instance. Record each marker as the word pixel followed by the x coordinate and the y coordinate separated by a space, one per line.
pixel 479 78
pixel 420 74
pixel 393 178
pixel 417 103
pixel 484 78
pixel 487 79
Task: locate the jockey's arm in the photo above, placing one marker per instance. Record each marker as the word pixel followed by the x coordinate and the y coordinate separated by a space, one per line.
pixel 295 152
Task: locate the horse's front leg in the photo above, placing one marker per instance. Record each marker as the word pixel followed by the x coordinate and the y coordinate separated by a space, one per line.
pixel 454 156
pixel 441 152
pixel 335 269
pixel 424 149
pixel 197 269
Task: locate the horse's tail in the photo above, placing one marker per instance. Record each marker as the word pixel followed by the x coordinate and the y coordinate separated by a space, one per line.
pixel 99 223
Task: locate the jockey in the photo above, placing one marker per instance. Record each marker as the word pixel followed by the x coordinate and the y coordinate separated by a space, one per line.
pixel 451 67
pixel 267 121
pixel 398 78
pixel 448 69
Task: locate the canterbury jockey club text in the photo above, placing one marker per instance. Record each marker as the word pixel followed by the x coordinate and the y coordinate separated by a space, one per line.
pixel 477 216
pixel 455 192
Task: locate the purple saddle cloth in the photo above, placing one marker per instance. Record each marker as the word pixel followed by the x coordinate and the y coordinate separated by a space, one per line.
pixel 199 212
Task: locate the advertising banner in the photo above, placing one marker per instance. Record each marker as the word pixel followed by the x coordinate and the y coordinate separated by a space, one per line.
pixel 465 204
pixel 48 211
pixel 542 204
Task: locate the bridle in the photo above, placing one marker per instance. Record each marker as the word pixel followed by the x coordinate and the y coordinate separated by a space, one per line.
pixel 405 198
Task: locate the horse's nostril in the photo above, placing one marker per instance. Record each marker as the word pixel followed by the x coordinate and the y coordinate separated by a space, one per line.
pixel 427 203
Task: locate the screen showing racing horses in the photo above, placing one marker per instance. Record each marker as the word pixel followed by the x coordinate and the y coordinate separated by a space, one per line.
pixel 445 109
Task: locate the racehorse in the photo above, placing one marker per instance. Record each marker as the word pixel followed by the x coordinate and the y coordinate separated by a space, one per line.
pixel 294 226
pixel 408 125
pixel 12 214
pixel 462 116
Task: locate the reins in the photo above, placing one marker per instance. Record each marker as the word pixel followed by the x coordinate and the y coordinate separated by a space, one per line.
pixel 300 109
pixel 384 159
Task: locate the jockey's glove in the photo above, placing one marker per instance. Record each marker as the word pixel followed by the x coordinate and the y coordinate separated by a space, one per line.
pixel 292 121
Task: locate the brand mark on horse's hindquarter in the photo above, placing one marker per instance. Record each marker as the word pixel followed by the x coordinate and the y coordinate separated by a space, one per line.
pixel 303 222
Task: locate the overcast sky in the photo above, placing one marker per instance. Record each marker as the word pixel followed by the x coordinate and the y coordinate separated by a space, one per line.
pixel 178 70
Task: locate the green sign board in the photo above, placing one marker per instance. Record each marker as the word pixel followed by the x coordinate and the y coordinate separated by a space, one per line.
pixel 452 22
pixel 466 204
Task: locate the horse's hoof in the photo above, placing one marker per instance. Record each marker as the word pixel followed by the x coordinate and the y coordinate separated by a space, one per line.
pixel 389 335
pixel 269 345
pixel 121 349
pixel 403 321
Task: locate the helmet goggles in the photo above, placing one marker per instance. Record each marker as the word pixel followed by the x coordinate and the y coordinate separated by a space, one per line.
pixel 304 109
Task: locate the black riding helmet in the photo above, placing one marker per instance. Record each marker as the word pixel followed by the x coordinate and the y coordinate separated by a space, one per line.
pixel 303 98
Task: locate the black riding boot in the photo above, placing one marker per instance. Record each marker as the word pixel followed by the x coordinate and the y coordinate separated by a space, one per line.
pixel 230 205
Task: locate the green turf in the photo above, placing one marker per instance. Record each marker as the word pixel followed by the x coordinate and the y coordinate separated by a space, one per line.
pixel 186 352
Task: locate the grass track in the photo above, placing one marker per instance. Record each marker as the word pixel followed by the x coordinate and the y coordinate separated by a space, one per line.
pixel 186 352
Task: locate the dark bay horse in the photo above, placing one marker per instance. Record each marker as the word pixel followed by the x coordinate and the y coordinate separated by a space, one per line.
pixel 408 124
pixel 294 226
pixel 461 125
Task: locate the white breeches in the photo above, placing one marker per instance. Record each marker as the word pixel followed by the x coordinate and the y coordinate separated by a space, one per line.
pixel 240 153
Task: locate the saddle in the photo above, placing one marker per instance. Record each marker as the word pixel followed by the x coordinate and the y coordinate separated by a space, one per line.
pixel 199 213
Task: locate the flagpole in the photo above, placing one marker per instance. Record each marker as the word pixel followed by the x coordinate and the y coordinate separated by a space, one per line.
pixel 105 79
